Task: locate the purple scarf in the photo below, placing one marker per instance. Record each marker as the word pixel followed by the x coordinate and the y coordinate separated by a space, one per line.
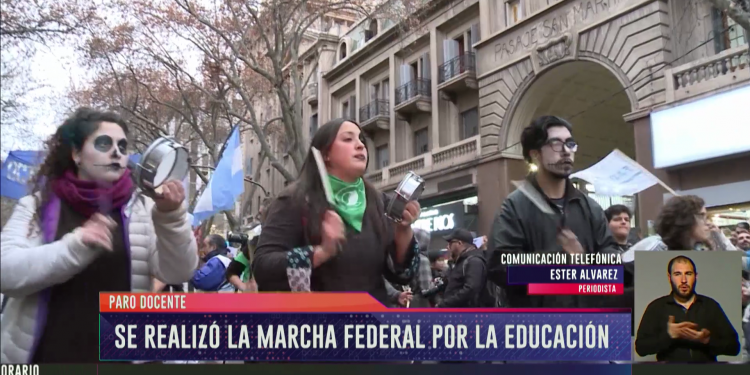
pixel 90 197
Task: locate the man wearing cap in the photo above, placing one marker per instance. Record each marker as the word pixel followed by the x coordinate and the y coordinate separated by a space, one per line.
pixel 466 280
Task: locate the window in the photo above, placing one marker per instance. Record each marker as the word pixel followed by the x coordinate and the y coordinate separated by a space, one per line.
pixel 513 12
pixel 386 89
pixel 735 35
pixel 342 51
pixel 382 156
pixel 469 123
pixel 727 34
pixel 345 109
pixel 461 47
pixel 313 124
pixel 421 145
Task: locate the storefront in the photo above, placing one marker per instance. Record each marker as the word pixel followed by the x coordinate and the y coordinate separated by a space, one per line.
pixel 442 219
pixel 699 147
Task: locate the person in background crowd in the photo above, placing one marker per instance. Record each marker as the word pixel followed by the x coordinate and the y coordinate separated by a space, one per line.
pixel 309 244
pixel 520 226
pixel 211 277
pixel 682 225
pixel 84 231
pixel 743 241
pixel 396 297
pixel 423 280
pixel 746 316
pixel 733 237
pixel 466 281
pixel 618 216
pixel 239 272
pixel 684 326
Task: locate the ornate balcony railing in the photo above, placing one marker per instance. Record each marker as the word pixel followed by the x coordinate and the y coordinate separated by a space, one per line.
pixel 457 66
pixel 375 108
pixel 410 90
pixel 727 68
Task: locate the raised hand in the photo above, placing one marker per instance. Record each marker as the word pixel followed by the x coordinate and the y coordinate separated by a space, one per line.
pixel 169 196
pixel 411 213
pixel 97 232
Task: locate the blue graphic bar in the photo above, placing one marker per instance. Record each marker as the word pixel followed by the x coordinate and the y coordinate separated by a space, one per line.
pixel 522 275
pixel 371 337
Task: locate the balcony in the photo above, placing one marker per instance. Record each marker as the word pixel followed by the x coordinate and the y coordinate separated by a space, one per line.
pixel 414 97
pixel 724 70
pixel 375 116
pixel 457 76
pixel 312 93
pixel 446 157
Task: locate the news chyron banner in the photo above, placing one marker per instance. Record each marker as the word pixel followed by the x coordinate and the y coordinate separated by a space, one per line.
pixel 348 327
pixel 566 274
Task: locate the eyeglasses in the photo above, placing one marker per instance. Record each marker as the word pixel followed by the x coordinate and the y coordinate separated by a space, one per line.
pixel 104 143
pixel 557 144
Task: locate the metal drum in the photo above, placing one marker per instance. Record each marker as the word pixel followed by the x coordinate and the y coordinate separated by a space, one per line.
pixel 409 189
pixel 163 160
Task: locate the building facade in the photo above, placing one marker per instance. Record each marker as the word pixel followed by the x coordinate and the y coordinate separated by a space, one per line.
pixel 448 100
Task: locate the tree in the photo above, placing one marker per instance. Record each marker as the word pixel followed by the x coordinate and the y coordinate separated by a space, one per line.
pixel 26 26
pixel 737 10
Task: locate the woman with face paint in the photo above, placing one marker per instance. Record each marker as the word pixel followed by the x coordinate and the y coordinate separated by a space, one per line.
pixel 83 231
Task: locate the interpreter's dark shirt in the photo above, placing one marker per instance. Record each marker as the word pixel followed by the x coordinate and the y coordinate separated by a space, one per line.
pixel 653 336
pixel 71 334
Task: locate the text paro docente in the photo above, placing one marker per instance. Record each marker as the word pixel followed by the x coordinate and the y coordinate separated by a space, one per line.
pixel 366 336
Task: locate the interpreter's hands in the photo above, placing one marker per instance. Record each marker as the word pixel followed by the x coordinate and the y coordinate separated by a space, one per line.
pixel 97 232
pixel 682 330
pixel 169 196
pixel 405 297
pixel 569 242
pixel 410 214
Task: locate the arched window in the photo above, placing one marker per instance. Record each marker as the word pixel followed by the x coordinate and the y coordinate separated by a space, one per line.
pixel 372 30
pixel 342 51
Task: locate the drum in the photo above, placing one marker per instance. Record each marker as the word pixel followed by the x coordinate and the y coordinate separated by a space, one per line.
pixel 164 160
pixel 409 189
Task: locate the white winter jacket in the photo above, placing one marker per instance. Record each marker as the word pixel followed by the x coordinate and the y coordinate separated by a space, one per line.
pixel 161 244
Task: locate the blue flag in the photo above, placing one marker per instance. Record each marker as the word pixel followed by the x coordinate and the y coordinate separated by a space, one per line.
pixel 227 183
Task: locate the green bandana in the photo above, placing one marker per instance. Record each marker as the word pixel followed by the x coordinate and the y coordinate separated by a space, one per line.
pixel 350 200
pixel 240 257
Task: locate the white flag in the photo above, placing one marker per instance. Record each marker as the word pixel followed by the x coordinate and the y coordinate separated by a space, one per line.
pixel 617 175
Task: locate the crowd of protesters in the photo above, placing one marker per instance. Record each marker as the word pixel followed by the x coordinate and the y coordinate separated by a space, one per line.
pixel 60 248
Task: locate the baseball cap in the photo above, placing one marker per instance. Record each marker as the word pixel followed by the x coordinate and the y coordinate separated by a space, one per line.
pixel 462 235
pixel 744 225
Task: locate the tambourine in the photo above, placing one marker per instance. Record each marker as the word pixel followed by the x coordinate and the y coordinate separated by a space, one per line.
pixel 164 160
pixel 409 189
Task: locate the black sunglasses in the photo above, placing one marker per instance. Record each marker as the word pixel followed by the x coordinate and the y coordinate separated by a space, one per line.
pixel 557 144
pixel 104 143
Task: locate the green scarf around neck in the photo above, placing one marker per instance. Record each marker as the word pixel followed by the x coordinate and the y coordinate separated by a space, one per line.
pixel 350 200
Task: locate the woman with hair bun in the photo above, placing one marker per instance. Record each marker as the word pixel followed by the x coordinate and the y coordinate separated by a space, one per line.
pixel 83 231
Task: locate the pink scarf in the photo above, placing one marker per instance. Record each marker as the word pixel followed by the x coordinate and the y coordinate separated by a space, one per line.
pixel 89 197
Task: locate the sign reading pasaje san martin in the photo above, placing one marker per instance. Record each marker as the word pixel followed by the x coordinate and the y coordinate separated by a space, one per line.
pixel 383 335
pixel 569 15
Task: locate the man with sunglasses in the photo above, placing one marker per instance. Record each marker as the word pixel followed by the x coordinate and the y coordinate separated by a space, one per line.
pixel 578 226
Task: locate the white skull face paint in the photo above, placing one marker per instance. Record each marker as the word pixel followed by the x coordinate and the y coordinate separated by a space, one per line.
pixel 104 154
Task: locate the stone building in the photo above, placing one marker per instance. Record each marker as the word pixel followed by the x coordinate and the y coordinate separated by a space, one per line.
pixel 449 99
